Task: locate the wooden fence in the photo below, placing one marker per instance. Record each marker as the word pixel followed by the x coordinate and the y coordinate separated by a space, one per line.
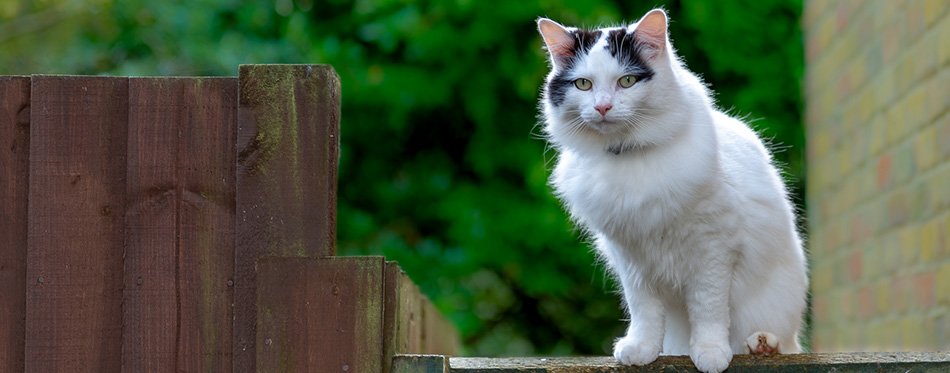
pixel 188 224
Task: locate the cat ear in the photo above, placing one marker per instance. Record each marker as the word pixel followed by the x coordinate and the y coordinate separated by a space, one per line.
pixel 558 39
pixel 651 31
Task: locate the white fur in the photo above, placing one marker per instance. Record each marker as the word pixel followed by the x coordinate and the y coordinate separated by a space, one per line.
pixel 692 217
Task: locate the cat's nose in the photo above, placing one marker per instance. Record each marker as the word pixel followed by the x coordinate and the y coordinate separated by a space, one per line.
pixel 603 108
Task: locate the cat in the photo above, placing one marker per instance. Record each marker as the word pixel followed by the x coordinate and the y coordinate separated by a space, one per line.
pixel 681 200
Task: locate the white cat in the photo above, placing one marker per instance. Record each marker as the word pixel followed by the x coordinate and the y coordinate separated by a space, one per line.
pixel 682 200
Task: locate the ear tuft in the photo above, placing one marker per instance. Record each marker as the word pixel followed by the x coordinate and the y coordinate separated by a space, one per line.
pixel 651 30
pixel 558 39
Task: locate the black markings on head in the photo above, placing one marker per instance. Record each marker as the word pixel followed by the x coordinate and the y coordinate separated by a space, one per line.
pixel 558 85
pixel 625 47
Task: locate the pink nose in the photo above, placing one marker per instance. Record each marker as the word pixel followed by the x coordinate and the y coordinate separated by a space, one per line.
pixel 603 108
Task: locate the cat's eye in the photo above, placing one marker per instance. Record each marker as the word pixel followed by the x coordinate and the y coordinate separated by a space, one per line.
pixel 627 81
pixel 582 84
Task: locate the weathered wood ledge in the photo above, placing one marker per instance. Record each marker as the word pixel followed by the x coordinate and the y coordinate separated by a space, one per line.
pixel 839 363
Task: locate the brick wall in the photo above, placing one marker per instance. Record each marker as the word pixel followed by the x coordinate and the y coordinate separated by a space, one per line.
pixel 877 92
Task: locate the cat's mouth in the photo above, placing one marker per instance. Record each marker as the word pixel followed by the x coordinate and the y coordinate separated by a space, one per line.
pixel 605 126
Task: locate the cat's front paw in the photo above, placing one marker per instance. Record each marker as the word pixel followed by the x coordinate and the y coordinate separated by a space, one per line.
pixel 711 358
pixel 633 351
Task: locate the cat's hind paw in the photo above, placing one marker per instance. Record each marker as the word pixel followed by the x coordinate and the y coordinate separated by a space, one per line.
pixel 631 351
pixel 762 344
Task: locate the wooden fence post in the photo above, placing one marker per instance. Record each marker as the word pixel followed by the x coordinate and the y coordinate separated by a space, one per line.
pixel 14 187
pixel 288 144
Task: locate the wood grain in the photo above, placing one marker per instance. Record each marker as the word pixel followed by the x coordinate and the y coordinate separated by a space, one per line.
pixel 179 252
pixel 76 228
pixel 320 315
pixel 14 188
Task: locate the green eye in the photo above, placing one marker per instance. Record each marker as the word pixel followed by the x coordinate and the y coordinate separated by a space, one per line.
pixel 582 84
pixel 627 81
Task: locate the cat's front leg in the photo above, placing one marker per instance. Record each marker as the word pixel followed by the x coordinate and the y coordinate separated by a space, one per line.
pixel 644 338
pixel 707 304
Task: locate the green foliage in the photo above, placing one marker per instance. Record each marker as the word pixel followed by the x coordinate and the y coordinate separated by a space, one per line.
pixel 441 166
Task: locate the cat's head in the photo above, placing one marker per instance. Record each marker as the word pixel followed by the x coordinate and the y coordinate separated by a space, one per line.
pixel 611 89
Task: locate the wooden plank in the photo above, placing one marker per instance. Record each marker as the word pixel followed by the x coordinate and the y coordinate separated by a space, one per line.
pixel 76 228
pixel 390 309
pixel 439 336
pixel 206 225
pixel 288 141
pixel 320 315
pixel 14 187
pixel 857 362
pixel 179 253
pixel 409 317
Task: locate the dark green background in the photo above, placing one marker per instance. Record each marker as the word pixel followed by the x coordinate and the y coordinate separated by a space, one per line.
pixel 442 167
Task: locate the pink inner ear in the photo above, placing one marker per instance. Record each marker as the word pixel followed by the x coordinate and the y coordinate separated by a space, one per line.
pixel 652 29
pixel 559 43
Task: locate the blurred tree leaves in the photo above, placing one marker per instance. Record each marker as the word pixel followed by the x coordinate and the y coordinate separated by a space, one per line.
pixel 441 166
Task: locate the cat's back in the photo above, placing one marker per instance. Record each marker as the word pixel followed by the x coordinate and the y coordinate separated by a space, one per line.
pixel 745 161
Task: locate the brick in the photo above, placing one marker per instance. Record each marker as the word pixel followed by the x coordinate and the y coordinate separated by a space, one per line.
pixel 928 241
pixel 820 309
pixel 914 20
pixel 871 261
pixel 943 49
pixel 891 251
pixel 878 135
pixel 846 303
pixel 933 10
pixel 896 121
pixel 926 149
pixel 920 205
pixel 854 266
pixel 924 290
pixel 860 229
pixel 891 43
pixel 898 204
pixel 858 147
pixel 820 38
pixel 822 279
pixel 942 284
pixel 884 298
pixel 867 180
pixel 938 186
pixel 891 337
pixel 915 110
pixel 903 294
pixel 903 163
pixel 875 333
pixel 942 327
pixel 907 73
pixel 910 245
pixel 820 140
pixel 884 171
pixel 937 101
pixel 911 331
pixel 943 132
pixel 812 11
pixel 885 87
pixel 943 238
pixel 865 302
pixel 877 213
